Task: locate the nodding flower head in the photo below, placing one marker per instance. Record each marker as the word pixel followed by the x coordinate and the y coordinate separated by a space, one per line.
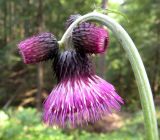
pixel 90 38
pixel 71 19
pixel 80 96
pixel 38 48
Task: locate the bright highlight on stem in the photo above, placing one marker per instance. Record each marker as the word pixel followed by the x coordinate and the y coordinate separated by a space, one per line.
pixel 137 65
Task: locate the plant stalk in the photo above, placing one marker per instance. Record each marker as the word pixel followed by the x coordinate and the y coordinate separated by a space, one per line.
pixel 146 98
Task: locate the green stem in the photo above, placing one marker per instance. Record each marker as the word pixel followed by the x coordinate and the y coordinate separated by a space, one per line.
pixel 137 65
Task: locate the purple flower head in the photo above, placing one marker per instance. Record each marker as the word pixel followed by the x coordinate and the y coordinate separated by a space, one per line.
pixel 90 38
pixel 71 19
pixel 38 48
pixel 80 96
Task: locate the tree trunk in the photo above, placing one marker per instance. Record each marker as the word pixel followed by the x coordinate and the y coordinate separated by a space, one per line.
pixel 104 4
pixel 40 67
pixel 4 43
pixel 40 86
pixel 155 76
pixel 26 20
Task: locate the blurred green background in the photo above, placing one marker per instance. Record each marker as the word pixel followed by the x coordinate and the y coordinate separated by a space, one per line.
pixel 23 88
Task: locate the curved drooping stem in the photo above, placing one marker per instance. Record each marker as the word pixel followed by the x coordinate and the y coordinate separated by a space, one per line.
pixel 137 65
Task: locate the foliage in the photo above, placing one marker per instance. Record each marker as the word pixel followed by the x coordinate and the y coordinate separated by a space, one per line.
pixel 24 124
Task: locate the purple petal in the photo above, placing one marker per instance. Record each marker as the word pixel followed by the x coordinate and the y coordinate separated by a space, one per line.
pixel 80 101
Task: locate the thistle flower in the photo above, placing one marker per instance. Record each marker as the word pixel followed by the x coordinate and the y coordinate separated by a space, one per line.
pixel 90 38
pixel 71 19
pixel 80 96
pixel 38 48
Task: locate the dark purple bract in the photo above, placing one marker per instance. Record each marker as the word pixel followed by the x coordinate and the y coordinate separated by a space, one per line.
pixel 38 48
pixel 90 38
